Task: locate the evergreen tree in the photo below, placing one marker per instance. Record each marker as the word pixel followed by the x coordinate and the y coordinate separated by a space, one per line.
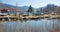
pixel 30 10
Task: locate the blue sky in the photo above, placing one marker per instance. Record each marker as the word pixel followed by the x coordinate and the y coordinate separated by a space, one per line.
pixel 34 3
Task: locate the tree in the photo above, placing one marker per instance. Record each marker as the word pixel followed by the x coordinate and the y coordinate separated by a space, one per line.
pixel 30 10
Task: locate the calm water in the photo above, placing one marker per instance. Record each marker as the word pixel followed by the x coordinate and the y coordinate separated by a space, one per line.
pixel 31 26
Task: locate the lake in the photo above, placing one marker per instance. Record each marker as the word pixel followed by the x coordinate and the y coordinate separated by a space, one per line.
pixel 43 25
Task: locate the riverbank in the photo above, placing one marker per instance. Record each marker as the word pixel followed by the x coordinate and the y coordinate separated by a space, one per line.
pixel 31 17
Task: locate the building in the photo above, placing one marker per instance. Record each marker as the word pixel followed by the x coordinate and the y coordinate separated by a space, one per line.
pixel 3 12
pixel 6 11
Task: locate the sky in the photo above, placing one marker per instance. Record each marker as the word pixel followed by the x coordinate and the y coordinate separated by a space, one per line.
pixel 33 3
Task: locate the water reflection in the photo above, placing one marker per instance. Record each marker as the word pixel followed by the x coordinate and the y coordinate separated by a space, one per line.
pixel 31 26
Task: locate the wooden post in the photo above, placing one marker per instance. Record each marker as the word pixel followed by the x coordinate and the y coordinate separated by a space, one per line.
pixel 2 19
pixel 9 18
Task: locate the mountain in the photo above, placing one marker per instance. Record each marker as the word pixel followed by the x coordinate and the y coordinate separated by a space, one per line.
pixel 49 7
pixel 22 8
pixel 7 6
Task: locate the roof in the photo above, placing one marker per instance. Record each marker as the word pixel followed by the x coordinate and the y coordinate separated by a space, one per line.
pixel 11 9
